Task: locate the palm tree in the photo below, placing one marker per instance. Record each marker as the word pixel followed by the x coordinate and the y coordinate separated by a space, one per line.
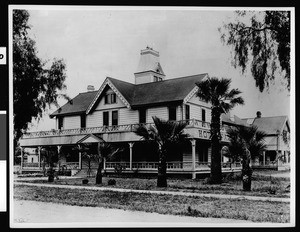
pixel 245 143
pixel 165 134
pixel 97 154
pixel 105 151
pixel 217 93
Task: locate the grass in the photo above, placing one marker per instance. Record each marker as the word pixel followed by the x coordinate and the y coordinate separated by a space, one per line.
pixel 258 211
pixel 261 185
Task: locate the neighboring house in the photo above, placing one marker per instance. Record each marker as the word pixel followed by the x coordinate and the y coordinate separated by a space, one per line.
pixel 113 112
pixel 277 154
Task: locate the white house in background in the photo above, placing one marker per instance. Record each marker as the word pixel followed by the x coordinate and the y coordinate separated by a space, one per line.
pixel 277 154
pixel 112 113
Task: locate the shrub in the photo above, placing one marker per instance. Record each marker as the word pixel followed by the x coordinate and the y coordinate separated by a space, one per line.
pixel 85 181
pixel 118 169
pixel 111 182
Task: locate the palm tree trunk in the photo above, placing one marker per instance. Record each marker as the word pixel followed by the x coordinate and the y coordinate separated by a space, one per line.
pixel 216 169
pixel 162 170
pixel 50 171
pixel 246 171
pixel 99 173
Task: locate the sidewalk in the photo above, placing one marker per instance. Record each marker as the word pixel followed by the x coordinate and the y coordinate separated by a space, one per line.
pixel 46 214
pixel 239 197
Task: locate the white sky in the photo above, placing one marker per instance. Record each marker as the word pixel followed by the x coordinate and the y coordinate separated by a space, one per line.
pixel 99 43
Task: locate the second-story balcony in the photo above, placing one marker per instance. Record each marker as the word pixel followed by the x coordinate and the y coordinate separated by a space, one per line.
pixel 195 128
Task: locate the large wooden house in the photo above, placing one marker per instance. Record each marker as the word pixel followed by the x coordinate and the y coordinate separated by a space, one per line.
pixel 112 113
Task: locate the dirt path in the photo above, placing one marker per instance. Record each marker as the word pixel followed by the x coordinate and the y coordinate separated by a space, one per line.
pixel 29 213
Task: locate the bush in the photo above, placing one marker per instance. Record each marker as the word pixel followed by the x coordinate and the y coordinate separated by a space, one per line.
pixel 111 182
pixel 118 169
pixel 85 181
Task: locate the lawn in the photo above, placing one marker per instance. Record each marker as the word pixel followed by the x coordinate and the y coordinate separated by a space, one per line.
pixel 258 211
pixel 261 185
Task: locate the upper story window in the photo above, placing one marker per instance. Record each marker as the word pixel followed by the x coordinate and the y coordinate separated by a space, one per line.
pixel 110 98
pixel 82 121
pixel 142 115
pixel 105 118
pixel 172 113
pixel 60 123
pixel 114 118
pixel 203 115
pixel 187 112
pixel 157 79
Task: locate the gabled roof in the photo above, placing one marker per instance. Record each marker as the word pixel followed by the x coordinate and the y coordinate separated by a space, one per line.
pixel 164 91
pixel 235 121
pixel 271 125
pixel 154 93
pixel 77 105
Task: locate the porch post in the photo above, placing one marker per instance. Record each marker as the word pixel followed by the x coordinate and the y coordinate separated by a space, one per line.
pixel 58 155
pixel 193 141
pixel 21 159
pixel 79 154
pixel 264 158
pixel 104 163
pixel 130 155
pixel 39 153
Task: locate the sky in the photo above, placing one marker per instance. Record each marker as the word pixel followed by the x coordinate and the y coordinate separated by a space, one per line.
pixel 100 42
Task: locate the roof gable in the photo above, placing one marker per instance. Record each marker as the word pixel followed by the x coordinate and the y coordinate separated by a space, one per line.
pixel 271 125
pixel 135 96
pixel 90 138
pixel 112 86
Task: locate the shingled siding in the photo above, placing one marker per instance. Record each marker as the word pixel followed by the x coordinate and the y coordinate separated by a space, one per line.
pixel 160 112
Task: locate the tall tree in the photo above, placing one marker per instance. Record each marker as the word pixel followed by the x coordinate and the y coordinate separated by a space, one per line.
pixel 92 152
pixel 263 40
pixel 34 86
pixel 165 134
pixel 245 143
pixel 216 92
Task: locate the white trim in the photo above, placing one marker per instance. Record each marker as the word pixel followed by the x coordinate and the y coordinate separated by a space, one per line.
pixel 105 83
pixel 191 94
pixel 194 90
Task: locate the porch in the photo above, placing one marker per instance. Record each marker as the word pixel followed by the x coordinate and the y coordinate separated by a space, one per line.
pixel 138 167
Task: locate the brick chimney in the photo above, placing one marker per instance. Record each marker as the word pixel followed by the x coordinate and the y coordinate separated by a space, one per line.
pixel 90 88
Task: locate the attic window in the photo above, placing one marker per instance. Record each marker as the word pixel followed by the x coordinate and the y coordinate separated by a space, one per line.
pixel 110 98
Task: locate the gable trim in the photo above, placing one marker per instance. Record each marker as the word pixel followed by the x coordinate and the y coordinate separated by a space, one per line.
pixel 193 91
pixel 105 83
pixel 96 138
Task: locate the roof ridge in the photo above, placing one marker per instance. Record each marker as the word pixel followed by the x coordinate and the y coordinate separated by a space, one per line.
pixel 172 79
pixel 87 92
pixel 120 80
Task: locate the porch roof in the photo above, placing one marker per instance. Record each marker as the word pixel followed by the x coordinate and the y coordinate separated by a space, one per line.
pixel 51 140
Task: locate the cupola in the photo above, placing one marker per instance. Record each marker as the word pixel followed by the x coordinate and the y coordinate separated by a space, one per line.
pixel 149 68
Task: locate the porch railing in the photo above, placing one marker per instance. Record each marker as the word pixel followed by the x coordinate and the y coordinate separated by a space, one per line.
pixel 170 165
pixel 265 164
pixel 192 123
pixel 70 165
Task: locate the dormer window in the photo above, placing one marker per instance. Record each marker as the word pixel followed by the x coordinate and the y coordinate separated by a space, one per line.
pixel 110 98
